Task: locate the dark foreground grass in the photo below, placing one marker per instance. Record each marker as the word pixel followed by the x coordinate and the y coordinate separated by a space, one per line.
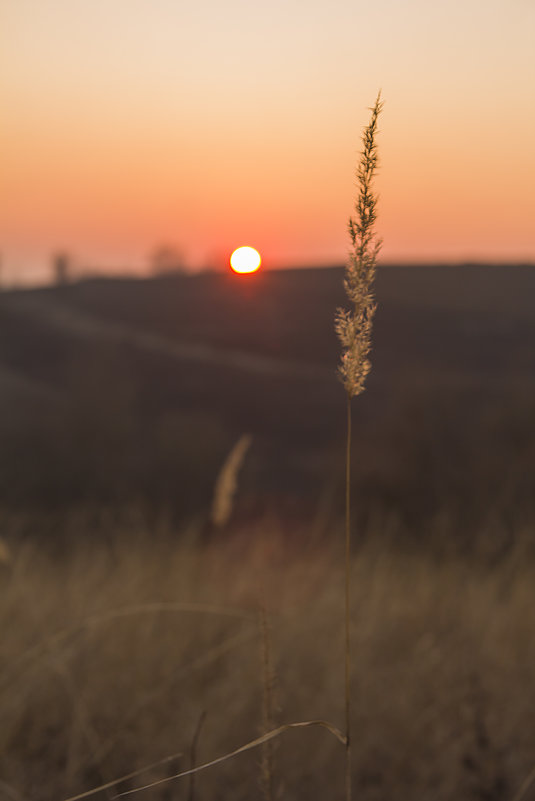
pixel 113 651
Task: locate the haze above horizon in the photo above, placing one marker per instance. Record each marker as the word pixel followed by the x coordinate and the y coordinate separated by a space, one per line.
pixel 135 124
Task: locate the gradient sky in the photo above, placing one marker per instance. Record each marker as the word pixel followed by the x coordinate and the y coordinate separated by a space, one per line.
pixel 127 124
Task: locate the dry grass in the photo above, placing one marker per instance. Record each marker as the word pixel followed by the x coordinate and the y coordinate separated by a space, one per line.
pixel 111 653
pixel 354 332
pixel 227 482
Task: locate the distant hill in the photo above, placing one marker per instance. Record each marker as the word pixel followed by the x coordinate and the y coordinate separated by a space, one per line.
pixel 117 388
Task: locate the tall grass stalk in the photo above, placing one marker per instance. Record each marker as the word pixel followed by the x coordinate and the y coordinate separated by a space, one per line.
pixel 268 674
pixel 354 331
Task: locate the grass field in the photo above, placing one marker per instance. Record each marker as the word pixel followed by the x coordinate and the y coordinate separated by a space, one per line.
pixel 114 648
pixel 134 629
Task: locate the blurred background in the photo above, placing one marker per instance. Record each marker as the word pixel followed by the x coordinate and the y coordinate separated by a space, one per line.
pixel 144 387
pixel 132 392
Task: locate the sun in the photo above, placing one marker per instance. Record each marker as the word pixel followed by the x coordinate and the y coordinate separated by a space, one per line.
pixel 245 260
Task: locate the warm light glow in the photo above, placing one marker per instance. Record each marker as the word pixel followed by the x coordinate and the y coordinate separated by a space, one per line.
pixel 98 162
pixel 245 260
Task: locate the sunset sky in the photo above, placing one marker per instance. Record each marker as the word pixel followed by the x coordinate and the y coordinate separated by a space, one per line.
pixel 128 124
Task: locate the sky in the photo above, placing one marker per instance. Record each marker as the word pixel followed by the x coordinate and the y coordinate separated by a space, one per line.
pixel 132 124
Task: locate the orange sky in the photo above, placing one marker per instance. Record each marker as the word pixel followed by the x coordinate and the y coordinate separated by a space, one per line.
pixel 127 124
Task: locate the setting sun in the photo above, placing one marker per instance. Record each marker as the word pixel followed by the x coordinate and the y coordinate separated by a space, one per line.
pixel 245 260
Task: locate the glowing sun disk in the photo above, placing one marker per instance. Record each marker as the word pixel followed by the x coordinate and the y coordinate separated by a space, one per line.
pixel 245 260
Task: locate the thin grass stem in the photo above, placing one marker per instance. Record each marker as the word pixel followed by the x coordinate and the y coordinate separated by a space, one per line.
pixel 347 603
pixel 268 757
pixel 193 754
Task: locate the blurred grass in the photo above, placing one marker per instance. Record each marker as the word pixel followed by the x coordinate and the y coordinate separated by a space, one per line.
pixel 113 648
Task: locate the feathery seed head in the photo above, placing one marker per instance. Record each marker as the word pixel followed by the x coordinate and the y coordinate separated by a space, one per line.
pixel 354 327
pixel 227 482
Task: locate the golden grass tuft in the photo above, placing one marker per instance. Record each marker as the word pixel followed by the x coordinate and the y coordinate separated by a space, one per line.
pixel 227 482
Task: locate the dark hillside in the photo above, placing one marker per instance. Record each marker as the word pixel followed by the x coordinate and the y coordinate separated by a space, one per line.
pixel 149 382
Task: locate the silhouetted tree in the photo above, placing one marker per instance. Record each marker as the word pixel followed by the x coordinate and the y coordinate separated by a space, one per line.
pixel 167 259
pixel 61 265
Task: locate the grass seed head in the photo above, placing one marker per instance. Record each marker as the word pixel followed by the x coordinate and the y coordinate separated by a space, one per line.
pixel 354 326
pixel 227 482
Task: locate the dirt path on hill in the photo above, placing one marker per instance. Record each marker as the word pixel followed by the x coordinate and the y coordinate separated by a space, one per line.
pixel 87 327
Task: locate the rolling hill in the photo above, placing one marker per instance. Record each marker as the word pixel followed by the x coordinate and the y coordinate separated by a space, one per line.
pixel 121 389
